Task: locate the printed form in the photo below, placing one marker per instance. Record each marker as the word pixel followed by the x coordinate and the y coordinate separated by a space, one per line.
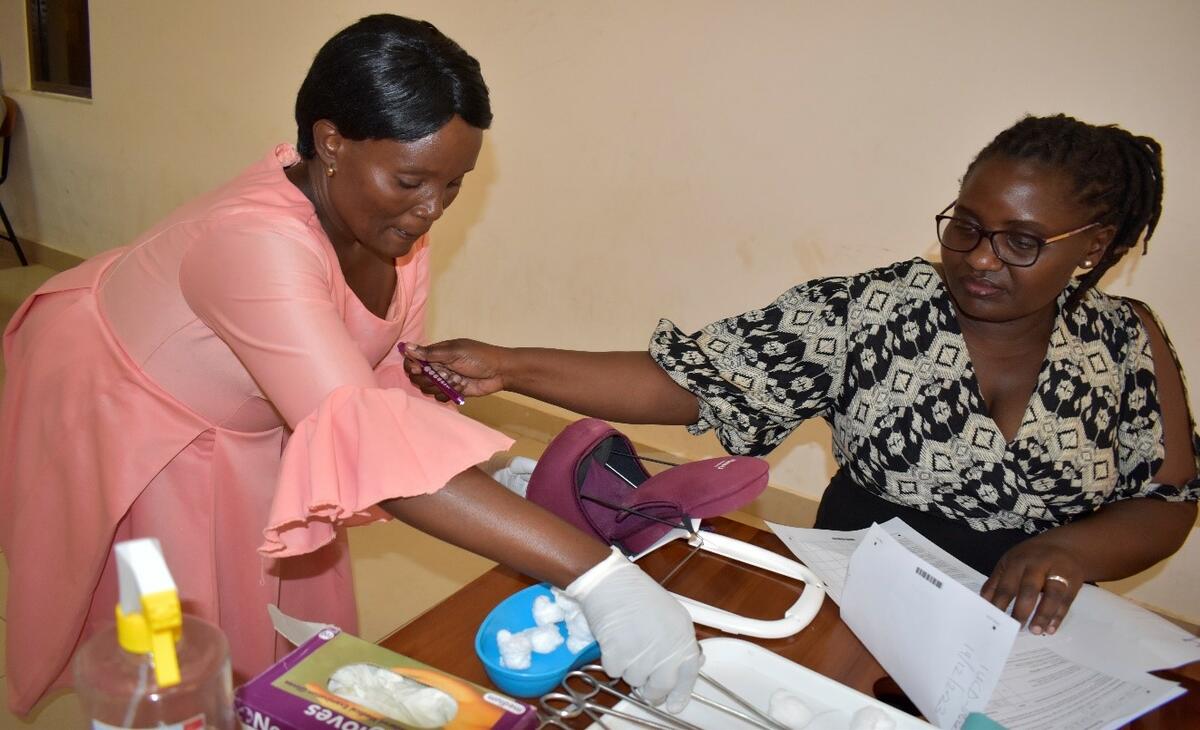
pixel 942 643
pixel 1087 675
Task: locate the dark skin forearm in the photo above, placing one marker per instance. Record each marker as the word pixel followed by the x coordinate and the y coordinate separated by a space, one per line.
pixel 475 513
pixel 628 387
pixel 1125 537
pixel 1115 542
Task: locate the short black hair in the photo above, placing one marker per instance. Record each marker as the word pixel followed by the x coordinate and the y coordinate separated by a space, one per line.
pixel 390 77
pixel 1117 175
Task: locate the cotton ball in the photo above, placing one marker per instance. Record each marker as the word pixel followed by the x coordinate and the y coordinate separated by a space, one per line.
pixel 398 698
pixel 516 660
pixel 568 605
pixel 579 634
pixel 787 709
pixel 872 718
pixel 578 625
pixel 516 651
pixel 546 611
pixel 544 639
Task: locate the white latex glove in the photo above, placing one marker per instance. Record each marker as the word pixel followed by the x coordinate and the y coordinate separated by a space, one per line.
pixel 646 637
pixel 511 471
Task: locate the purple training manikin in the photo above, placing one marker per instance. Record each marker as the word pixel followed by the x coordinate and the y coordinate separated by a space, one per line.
pixel 591 476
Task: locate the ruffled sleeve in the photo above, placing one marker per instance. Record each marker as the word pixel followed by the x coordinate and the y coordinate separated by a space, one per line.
pixel 360 447
pixel 759 375
pixel 355 442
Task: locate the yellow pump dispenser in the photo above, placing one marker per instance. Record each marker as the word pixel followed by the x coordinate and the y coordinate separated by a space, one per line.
pixel 149 619
pixel 157 667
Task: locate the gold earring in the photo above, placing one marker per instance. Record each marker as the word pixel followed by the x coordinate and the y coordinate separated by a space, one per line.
pixel 329 171
pixel 1087 264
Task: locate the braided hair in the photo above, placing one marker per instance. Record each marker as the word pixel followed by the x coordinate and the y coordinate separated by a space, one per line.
pixel 1116 174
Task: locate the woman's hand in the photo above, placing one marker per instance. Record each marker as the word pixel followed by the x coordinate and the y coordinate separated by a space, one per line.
pixel 646 636
pixel 1032 569
pixel 472 368
pixel 615 386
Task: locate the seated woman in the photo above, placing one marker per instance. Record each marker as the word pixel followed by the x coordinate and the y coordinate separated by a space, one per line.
pixel 229 383
pixel 1006 408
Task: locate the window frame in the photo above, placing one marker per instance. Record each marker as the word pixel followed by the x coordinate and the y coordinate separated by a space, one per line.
pixel 35 14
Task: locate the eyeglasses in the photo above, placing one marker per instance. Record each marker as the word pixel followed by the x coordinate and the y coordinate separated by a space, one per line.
pixel 1012 247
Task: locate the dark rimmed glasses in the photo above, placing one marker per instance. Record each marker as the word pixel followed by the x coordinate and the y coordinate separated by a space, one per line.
pixel 1012 247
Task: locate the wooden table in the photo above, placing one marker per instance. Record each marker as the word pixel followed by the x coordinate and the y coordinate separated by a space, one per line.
pixel 444 636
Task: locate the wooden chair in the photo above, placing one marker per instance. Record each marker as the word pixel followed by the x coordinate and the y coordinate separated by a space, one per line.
pixel 6 130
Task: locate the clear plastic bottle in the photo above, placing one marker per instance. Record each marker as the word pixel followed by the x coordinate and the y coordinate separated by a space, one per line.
pixel 156 668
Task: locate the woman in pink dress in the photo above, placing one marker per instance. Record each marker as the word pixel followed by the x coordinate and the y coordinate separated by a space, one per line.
pixel 230 384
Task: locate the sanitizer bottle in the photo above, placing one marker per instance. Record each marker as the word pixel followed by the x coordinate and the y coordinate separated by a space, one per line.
pixel 157 668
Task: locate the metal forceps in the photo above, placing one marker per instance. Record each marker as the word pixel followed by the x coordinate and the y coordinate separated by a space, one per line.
pixel 582 686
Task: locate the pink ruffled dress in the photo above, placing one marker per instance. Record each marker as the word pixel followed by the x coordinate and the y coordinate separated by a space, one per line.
pixel 216 385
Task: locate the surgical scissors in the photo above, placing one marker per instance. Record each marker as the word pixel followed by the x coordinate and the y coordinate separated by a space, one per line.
pixel 582 685
pixel 572 706
pixel 558 707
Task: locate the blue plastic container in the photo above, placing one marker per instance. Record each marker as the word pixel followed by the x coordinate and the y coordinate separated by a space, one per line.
pixel 545 671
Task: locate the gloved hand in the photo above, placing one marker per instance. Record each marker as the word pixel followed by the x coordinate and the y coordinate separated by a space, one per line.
pixel 646 636
pixel 511 471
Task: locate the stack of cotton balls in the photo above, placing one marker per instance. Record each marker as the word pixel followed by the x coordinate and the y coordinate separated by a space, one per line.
pixel 516 649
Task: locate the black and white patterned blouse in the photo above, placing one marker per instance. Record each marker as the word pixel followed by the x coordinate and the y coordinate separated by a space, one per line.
pixel 881 357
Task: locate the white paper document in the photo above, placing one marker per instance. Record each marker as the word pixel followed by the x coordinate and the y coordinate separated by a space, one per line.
pixel 825 552
pixel 1111 633
pixel 1042 690
pixel 941 642
pixel 1089 674
pixel 1102 629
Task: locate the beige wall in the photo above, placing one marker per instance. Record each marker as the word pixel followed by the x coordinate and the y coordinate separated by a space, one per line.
pixel 678 159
